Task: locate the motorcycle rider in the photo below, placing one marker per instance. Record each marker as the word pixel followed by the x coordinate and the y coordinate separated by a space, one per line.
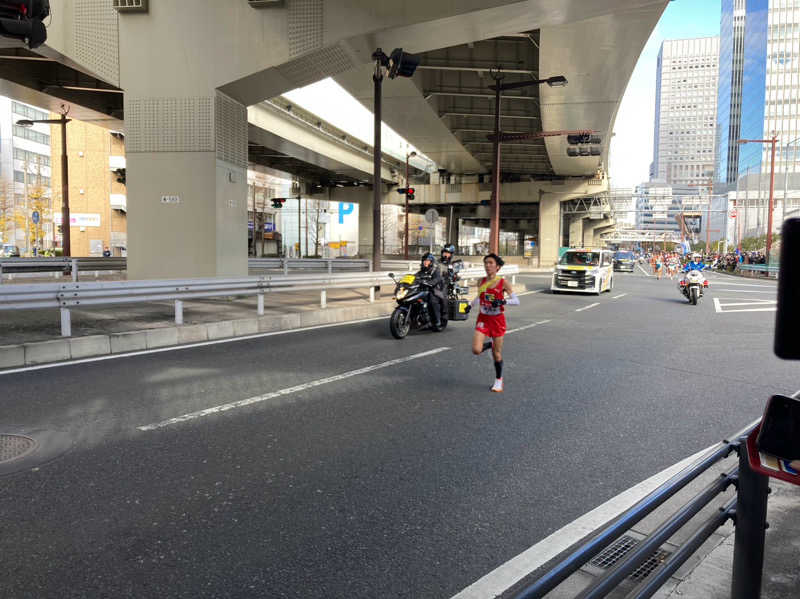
pixel 696 263
pixel 431 276
pixel 448 250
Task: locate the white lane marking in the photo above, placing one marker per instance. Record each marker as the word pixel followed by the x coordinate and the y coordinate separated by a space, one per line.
pixel 505 576
pixel 766 305
pixel 289 390
pixel 587 307
pixel 186 346
pixel 529 292
pixel 639 266
pixel 527 326
pixel 772 292
pixel 619 296
pixel 725 283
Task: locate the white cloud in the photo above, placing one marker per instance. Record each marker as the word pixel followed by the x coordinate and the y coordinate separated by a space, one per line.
pixel 631 149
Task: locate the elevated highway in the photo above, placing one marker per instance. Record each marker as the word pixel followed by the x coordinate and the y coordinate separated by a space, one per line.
pixel 183 73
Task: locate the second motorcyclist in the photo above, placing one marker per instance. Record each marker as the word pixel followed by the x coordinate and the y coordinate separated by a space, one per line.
pixel 431 276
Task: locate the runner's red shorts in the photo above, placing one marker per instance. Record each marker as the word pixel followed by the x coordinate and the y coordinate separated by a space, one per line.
pixel 491 326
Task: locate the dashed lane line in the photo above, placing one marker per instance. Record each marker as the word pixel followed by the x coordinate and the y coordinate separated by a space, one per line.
pixel 587 307
pixel 288 391
pixel 619 296
pixel 527 326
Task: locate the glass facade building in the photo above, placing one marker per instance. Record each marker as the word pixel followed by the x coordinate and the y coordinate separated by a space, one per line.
pixel 686 111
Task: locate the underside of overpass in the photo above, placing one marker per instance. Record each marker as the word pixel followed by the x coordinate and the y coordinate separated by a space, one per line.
pixel 186 97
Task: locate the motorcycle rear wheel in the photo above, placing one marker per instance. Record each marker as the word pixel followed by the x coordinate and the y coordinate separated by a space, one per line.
pixel 399 324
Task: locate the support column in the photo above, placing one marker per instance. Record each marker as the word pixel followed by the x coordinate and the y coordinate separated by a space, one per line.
pixel 366 204
pixel 576 230
pixel 187 186
pixel 549 229
pixel 593 228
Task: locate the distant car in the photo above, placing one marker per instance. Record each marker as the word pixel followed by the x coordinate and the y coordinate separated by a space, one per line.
pixel 583 271
pixel 624 261
pixel 9 251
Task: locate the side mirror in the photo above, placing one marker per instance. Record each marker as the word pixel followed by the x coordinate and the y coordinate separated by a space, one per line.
pixel 787 319
pixel 391 275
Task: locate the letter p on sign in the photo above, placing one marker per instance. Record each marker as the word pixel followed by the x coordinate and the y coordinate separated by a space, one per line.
pixel 344 209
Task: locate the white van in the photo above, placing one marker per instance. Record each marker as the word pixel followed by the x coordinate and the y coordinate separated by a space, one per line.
pixel 584 271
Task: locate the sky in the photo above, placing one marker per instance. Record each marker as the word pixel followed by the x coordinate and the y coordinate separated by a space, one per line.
pixel 632 145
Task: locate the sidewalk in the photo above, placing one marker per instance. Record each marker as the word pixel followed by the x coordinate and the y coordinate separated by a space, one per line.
pixel 711 578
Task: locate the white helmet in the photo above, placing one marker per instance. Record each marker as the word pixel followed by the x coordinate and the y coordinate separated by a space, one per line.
pixel 695 256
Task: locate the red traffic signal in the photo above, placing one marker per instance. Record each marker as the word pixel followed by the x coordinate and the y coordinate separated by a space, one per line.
pixel 407 191
pixel 278 202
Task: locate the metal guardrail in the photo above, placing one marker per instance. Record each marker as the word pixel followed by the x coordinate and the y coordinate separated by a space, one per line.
pixel 759 268
pixel 72 295
pixel 322 264
pixel 68 265
pixel 747 510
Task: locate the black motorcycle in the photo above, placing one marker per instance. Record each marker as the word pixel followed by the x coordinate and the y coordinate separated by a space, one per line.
pixel 414 298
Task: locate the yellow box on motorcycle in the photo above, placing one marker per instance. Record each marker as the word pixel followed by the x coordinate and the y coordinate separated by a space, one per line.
pixel 457 310
pixel 407 279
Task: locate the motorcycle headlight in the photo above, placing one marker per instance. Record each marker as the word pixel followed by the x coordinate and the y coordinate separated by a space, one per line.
pixel 401 293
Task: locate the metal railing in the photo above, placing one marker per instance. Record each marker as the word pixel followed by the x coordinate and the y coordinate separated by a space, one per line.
pixel 321 264
pixel 11 266
pixel 747 510
pixel 73 295
pixel 769 270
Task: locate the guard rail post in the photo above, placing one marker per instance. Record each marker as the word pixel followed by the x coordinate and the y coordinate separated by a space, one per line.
pixel 261 304
pixel 751 523
pixel 330 265
pixel 178 312
pixel 285 264
pixel 74 263
pixel 323 298
pixel 66 323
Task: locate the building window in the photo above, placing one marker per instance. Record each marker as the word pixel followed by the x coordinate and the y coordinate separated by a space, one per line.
pixel 33 158
pixel 28 112
pixel 31 135
pixel 33 179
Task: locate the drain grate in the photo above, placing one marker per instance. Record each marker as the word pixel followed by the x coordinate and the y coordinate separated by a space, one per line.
pixel 13 447
pixel 616 551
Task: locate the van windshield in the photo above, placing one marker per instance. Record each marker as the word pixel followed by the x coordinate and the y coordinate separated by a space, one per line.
pixel 624 256
pixel 580 259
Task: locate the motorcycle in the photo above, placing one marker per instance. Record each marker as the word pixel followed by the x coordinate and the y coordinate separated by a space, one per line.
pixel 692 286
pixel 414 298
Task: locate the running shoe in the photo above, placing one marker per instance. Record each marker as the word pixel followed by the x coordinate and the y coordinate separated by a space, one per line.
pixel 498 386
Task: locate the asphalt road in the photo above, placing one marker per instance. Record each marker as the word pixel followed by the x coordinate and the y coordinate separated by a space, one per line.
pixel 348 477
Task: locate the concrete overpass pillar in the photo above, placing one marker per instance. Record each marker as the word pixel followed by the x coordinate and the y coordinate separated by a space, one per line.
pixel 593 230
pixel 576 230
pixel 549 229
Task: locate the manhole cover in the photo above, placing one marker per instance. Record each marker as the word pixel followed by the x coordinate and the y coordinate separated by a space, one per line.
pixel 13 447
pixel 620 548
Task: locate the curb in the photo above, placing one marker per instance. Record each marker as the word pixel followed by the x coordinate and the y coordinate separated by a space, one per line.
pixel 72 348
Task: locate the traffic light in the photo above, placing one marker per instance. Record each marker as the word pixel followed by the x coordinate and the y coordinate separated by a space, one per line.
pixel 407 191
pixel 402 64
pixel 278 202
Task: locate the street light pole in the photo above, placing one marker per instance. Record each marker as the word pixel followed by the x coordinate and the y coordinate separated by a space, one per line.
pixel 377 79
pixel 494 223
pixel 64 173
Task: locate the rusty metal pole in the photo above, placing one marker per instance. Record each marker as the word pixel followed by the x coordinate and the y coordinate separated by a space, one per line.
pixel 774 142
pixel 65 233
pixel 377 184
pixel 494 223
pixel 405 244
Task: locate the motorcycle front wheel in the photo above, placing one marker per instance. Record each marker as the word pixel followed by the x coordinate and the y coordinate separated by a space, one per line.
pixel 399 323
pixel 694 293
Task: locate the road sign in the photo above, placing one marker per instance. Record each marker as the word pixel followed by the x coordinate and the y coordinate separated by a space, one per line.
pixel 35 217
pixel 420 228
pixel 431 216
pixel 733 213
